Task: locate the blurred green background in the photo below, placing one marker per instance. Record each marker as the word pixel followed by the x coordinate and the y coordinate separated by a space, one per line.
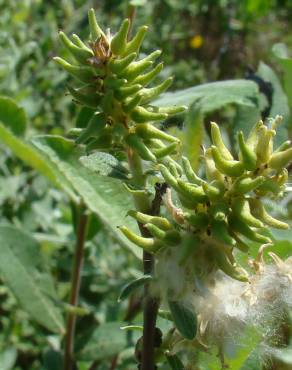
pixel 202 41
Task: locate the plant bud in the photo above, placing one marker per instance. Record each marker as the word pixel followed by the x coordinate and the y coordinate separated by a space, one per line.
pixel 135 69
pixel 95 126
pixel 211 171
pixel 219 229
pixel 155 231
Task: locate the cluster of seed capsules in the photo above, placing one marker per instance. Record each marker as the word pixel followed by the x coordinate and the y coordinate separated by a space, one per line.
pixel 113 83
pixel 224 210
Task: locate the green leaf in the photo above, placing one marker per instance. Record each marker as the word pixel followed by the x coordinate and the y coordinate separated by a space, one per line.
pixel 12 116
pixel 213 96
pixel 104 196
pixel 280 51
pixel 23 270
pixel 133 285
pixel 53 360
pixel 8 358
pixel 105 164
pixel 185 320
pixel 279 102
pixel 193 135
pixel 34 159
pixel 106 341
pixel 174 362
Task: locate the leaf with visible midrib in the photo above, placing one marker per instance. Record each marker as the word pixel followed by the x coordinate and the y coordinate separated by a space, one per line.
pixel 24 272
pixel 213 96
pixel 104 196
pixel 184 319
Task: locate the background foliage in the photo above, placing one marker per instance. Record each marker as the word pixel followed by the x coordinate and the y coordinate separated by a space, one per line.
pixel 244 42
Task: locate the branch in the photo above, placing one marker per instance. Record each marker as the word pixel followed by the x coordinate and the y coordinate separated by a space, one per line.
pixel 75 288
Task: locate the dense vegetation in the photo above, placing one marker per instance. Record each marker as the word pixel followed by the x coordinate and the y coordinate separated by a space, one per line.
pixel 230 62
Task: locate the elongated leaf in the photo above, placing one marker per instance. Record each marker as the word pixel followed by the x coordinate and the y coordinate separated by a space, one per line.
pixel 8 358
pixel 213 96
pixel 33 158
pixel 184 319
pixel 106 341
pixel 104 196
pixel 105 164
pixel 279 101
pixel 281 53
pixel 12 115
pixel 24 272
pixel 133 285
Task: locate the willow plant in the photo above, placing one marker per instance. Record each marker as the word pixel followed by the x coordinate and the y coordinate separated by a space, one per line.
pixel 205 219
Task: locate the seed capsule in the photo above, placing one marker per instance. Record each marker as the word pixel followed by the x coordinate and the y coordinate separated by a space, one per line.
pixel 218 142
pixel 81 73
pixel 135 69
pixel 136 42
pixel 153 92
pixel 230 269
pixel 243 186
pixel 241 208
pixel 165 151
pixel 150 245
pixel 146 78
pixel 143 218
pixel 119 41
pixel 190 173
pixel 259 211
pixel 192 192
pixel 91 100
pixel 231 168
pixel 142 115
pixel 248 157
pixel 148 131
pixel 119 65
pixel 137 144
pixel 94 128
pixel 95 30
pixel 236 224
pixel 80 54
pixel 281 159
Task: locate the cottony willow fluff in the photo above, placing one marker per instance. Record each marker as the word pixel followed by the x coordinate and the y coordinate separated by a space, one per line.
pixel 206 219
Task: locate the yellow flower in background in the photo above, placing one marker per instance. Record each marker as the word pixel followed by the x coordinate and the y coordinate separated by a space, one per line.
pixel 196 42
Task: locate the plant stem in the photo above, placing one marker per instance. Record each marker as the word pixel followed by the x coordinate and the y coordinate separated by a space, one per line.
pixel 151 304
pixel 75 288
